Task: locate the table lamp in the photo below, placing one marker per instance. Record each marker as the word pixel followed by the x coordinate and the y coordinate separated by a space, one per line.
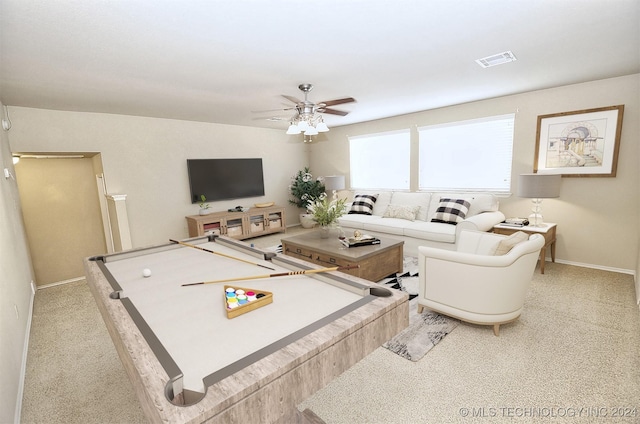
pixel 334 183
pixel 537 187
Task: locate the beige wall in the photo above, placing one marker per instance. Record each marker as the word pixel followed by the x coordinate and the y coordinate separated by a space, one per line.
pixel 597 217
pixel 62 217
pixel 145 158
pixel 16 294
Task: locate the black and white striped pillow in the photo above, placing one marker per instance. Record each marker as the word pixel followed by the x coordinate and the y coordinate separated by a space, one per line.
pixel 451 211
pixel 363 204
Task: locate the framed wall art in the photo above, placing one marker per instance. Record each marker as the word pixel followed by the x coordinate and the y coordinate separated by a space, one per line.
pixel 582 143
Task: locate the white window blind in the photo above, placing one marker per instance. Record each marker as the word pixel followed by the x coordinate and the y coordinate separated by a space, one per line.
pixel 380 161
pixel 472 155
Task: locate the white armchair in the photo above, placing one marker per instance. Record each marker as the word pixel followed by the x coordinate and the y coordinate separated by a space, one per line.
pixel 474 284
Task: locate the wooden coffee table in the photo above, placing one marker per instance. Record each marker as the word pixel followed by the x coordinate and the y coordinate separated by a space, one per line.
pixel 375 262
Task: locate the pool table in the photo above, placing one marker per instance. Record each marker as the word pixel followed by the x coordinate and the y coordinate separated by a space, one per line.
pixel 189 362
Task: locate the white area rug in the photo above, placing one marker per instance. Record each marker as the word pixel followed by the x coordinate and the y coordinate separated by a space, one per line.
pixel 425 330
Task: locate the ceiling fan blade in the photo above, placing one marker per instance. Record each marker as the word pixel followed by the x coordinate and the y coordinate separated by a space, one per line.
pixel 273 110
pixel 338 101
pixel 333 111
pixel 291 99
pixel 270 118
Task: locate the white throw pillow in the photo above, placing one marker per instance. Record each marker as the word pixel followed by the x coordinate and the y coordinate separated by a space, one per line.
pixel 508 243
pixel 402 212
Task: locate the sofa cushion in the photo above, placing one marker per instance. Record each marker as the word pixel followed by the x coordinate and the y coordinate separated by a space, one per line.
pixel 402 212
pixel 363 204
pixel 394 226
pixel 451 211
pixel 421 199
pixel 356 221
pixel 508 243
pixel 431 231
pixel 384 199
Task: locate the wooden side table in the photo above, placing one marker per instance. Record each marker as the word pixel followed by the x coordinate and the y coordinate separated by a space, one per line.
pixel 548 232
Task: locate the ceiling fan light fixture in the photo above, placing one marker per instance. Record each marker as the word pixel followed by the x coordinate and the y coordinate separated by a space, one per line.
pixel 322 127
pixel 311 131
pixel 308 118
pixel 303 125
pixel 293 129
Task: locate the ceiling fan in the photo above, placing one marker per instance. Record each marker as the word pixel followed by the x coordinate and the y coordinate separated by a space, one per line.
pixel 307 118
pixel 305 106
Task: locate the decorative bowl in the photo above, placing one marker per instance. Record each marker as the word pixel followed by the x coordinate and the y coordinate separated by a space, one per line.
pixel 264 205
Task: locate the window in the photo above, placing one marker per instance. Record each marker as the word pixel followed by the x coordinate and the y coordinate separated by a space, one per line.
pixel 470 155
pixel 380 161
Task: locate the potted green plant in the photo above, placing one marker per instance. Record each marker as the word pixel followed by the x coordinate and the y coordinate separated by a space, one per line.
pixel 204 206
pixel 304 189
pixel 326 212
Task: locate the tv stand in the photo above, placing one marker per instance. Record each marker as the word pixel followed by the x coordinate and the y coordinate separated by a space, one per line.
pixel 239 225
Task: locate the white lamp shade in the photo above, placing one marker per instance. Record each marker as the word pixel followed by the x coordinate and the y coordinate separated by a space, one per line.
pixel 322 127
pixel 334 182
pixel 303 125
pixel 539 186
pixel 311 131
pixel 293 129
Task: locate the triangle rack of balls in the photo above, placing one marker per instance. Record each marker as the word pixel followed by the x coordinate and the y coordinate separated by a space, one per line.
pixel 240 300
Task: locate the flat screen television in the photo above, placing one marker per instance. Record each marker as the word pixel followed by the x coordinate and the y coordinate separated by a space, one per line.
pixel 224 179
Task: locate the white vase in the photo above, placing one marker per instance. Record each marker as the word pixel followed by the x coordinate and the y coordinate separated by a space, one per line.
pixel 204 211
pixel 324 231
pixel 306 220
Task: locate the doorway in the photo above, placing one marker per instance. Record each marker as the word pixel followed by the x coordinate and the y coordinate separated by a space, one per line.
pixel 61 213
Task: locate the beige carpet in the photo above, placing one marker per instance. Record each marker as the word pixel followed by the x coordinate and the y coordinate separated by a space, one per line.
pixel 575 351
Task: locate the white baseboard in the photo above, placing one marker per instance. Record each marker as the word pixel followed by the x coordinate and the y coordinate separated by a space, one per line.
pixel 25 351
pixel 600 267
pixel 59 283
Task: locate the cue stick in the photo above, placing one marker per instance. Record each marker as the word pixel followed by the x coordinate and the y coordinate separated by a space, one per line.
pixel 280 274
pixel 221 254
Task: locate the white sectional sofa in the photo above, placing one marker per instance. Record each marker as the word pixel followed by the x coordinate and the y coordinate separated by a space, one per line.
pixel 408 216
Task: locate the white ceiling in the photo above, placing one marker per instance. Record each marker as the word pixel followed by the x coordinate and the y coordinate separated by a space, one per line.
pixel 217 61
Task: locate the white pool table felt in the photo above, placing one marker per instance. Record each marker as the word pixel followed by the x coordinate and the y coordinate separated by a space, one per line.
pixel 191 322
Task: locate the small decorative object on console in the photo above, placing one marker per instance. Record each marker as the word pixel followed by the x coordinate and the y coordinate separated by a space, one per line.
pixel 204 206
pixel 264 205
pixel 238 209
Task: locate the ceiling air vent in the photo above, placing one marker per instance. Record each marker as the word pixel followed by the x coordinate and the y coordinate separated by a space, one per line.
pixel 496 59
